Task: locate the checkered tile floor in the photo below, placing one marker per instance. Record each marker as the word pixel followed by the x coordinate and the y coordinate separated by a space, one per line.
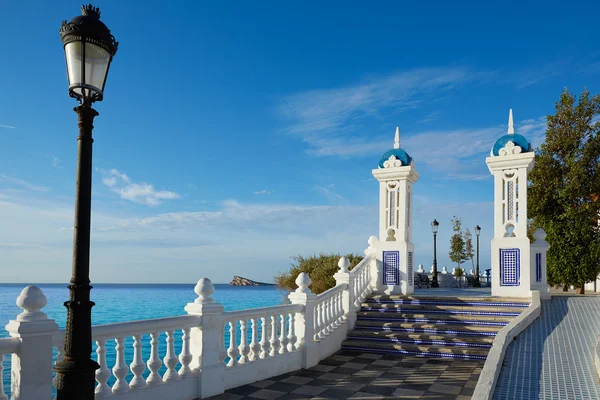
pixel 355 375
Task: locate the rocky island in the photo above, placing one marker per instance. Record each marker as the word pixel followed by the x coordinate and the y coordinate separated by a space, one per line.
pixel 240 281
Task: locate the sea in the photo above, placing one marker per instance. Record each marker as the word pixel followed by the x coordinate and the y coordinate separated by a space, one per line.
pixel 131 302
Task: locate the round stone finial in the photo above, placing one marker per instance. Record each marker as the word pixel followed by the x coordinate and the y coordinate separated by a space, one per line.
pixel 372 241
pixel 303 281
pixel 31 301
pixel 343 264
pixel 539 234
pixel 204 289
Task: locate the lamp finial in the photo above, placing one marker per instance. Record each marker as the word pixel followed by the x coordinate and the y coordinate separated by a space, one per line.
pixel 90 11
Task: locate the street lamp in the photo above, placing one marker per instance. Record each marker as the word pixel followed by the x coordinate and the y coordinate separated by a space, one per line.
pixel 434 228
pixel 89 49
pixel 477 283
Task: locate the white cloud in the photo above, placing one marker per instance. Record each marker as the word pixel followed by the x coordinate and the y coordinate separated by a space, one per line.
pixel 329 111
pixel 12 182
pixel 264 191
pixel 143 193
pixel 55 161
pixel 8 127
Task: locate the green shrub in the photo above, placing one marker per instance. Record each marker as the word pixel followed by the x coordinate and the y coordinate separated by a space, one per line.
pixel 320 269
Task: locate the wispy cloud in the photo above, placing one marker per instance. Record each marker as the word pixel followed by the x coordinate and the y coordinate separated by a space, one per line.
pixel 55 161
pixel 8 127
pixel 331 195
pixel 7 180
pixel 432 116
pixel 532 76
pixel 262 192
pixel 142 193
pixel 329 111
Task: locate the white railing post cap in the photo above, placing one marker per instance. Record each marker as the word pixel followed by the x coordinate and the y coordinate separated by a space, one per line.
pixel 343 264
pixel 539 234
pixel 31 301
pixel 204 289
pixel 303 281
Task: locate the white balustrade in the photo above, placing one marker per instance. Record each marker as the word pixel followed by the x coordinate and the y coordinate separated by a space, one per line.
pixel 102 373
pixel 328 311
pixel 137 366
pixel 154 362
pixel 273 324
pixel 361 287
pixel 185 358
pixel 7 346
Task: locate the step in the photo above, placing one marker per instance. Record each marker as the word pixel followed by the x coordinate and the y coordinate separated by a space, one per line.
pixel 417 306
pixel 465 330
pixel 385 308
pixel 493 301
pixel 415 350
pixel 432 321
pixel 422 338
pixel 431 316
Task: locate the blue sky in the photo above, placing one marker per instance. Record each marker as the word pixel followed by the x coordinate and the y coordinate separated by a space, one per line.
pixel 235 135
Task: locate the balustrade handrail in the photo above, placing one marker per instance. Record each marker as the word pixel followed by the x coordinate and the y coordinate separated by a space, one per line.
pixel 331 292
pixel 132 328
pixel 362 264
pixel 9 346
pixel 250 312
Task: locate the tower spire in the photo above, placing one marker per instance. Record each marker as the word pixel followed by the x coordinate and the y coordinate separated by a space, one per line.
pixel 397 138
pixel 511 127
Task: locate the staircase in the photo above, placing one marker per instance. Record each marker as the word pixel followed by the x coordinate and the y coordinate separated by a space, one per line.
pixel 441 327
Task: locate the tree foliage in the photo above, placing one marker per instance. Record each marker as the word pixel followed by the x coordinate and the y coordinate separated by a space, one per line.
pixel 458 252
pixel 564 187
pixel 319 268
pixel 469 251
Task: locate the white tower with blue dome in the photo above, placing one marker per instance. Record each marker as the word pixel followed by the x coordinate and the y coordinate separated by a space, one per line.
pixel 514 273
pixel 396 174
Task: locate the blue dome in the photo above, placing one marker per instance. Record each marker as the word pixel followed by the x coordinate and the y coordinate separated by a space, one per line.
pixel 517 139
pixel 400 155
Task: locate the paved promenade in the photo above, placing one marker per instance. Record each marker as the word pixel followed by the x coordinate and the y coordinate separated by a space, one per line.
pixel 553 358
pixel 362 376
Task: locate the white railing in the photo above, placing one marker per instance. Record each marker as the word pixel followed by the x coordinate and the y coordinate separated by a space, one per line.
pixel 263 332
pixel 7 346
pixel 145 338
pixel 361 286
pixel 329 311
pixel 198 355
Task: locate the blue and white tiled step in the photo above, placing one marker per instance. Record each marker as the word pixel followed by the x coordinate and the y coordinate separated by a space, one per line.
pixel 446 327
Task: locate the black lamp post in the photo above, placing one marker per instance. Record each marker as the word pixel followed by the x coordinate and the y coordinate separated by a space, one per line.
pixel 477 283
pixel 89 49
pixel 434 228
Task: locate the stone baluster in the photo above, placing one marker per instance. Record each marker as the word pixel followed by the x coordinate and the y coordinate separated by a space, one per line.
pixel 243 348
pixel 274 341
pixel 185 357
pixel 291 343
pixel 374 266
pixel 320 321
pixel 264 341
pixel 232 350
pixel 254 345
pixel 59 358
pixel 328 308
pixel 305 321
pixel 120 369
pixel 170 359
pixel 207 341
pixel 137 366
pixel 103 373
pixel 31 368
pixel 3 396
pixel 338 309
pixel 343 276
pixel 154 363
pixel 283 335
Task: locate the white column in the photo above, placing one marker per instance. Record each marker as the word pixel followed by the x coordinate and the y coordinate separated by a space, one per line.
pixel 539 248
pixel 206 342
pixel 341 277
pixel 305 322
pixel 32 367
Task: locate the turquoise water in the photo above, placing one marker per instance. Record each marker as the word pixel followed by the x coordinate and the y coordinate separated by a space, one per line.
pixel 120 303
